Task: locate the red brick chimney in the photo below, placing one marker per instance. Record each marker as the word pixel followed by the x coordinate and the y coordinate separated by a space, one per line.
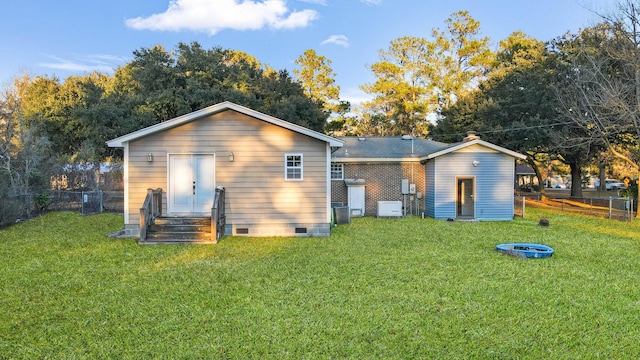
pixel 471 135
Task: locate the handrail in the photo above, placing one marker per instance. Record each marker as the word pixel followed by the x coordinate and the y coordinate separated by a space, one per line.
pixel 151 208
pixel 218 217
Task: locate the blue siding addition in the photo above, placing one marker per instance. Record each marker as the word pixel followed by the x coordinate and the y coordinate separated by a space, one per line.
pixel 493 180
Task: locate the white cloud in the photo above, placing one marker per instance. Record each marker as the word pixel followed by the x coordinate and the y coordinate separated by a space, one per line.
pixel 338 40
pixel 317 2
pixel 212 16
pixel 371 2
pixel 85 64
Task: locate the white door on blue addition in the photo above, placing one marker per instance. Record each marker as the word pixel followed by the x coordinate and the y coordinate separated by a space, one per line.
pixel 191 183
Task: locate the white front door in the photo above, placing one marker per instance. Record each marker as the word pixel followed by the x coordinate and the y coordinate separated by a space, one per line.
pixel 191 183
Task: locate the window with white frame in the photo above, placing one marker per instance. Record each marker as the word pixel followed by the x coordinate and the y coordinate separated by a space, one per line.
pixel 293 166
pixel 337 172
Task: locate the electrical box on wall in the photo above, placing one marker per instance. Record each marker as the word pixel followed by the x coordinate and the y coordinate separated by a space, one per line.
pixel 412 188
pixel 405 186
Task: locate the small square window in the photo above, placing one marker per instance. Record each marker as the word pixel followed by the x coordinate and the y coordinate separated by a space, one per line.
pixel 337 172
pixel 293 166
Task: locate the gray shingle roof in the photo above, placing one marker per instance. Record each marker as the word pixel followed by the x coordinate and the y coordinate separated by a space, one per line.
pixel 386 148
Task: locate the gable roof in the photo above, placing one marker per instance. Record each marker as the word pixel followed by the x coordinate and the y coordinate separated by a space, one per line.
pixel 384 149
pixel 220 107
pixel 406 149
pixel 461 145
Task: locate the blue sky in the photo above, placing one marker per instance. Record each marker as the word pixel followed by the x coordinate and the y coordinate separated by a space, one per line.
pixel 69 37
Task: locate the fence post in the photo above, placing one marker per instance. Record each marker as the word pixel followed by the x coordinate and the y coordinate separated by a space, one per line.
pixel 610 204
pixel 523 201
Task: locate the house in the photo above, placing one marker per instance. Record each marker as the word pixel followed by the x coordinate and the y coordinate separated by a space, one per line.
pixel 472 179
pixel 275 174
pixel 526 179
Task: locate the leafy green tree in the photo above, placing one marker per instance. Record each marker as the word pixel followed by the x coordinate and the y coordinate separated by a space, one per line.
pixel 417 78
pixel 79 115
pixel 516 107
pixel 458 58
pixel 317 79
pixel 159 85
pixel 508 106
pixel 401 89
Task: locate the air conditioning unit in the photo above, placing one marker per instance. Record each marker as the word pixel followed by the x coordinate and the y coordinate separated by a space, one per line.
pixel 389 208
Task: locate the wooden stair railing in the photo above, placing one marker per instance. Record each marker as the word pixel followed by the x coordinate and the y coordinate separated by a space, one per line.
pixel 151 208
pixel 218 217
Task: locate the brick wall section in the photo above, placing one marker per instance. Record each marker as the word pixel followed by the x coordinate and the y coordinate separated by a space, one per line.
pixel 383 183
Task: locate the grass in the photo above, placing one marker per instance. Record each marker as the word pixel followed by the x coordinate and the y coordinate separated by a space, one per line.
pixel 377 288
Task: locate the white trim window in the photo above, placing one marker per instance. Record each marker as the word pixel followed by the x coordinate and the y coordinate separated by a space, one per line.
pixel 293 167
pixel 337 171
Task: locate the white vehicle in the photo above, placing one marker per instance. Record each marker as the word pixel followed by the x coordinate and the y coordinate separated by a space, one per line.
pixel 610 184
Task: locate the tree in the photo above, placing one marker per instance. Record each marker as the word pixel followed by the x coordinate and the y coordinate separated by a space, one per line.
pixel 402 86
pixel 418 78
pixel 605 89
pixel 159 85
pixel 509 107
pixel 579 142
pixel 458 58
pixel 317 79
pixel 23 154
pixel 515 107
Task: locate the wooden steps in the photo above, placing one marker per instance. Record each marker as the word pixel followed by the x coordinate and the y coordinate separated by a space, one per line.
pixel 179 230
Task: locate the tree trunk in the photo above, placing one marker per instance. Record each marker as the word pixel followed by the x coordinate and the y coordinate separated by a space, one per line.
pixel 576 180
pixel 533 166
pixel 602 177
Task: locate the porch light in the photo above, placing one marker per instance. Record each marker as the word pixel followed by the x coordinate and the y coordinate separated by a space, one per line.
pixel 231 156
pixel 475 163
pixel 150 157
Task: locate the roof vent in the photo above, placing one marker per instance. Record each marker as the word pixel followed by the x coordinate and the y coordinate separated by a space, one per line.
pixel 407 137
pixel 471 135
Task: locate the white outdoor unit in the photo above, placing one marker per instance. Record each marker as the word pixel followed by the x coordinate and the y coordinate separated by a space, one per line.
pixel 389 208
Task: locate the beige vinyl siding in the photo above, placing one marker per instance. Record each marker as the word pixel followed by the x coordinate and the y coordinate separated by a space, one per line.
pixel 256 189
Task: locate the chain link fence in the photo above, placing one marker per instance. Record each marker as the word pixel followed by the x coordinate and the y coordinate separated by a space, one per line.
pixel 606 207
pixel 16 208
pixel 68 191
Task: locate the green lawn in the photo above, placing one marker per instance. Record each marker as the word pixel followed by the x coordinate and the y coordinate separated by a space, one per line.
pixel 377 288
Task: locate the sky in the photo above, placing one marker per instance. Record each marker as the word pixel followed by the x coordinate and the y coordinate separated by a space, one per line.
pixel 74 37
